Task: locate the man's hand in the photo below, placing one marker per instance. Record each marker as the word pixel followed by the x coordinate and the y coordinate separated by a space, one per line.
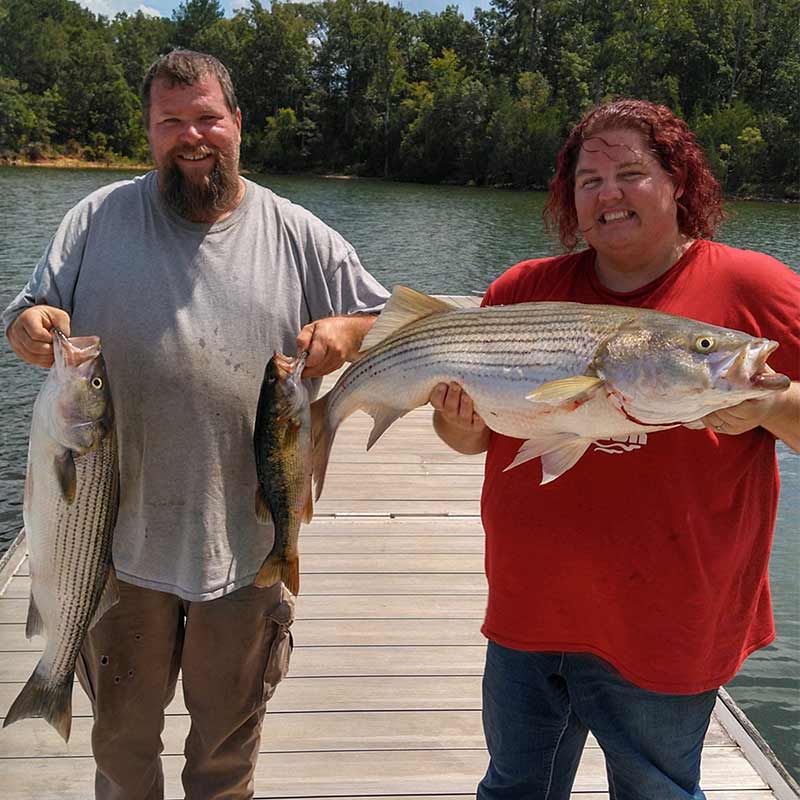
pixel 332 341
pixel 779 413
pixel 455 420
pixel 30 333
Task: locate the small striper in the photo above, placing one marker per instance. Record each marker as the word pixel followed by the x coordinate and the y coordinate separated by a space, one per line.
pixel 69 510
pixel 558 375
pixel 282 442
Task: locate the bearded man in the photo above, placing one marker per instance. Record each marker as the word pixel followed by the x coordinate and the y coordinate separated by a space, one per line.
pixel 192 276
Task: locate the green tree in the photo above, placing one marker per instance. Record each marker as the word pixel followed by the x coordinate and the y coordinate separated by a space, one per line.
pixel 286 141
pixel 24 117
pixel 525 134
pixel 95 98
pixel 192 18
pixel 387 84
pixel 139 39
pixel 446 134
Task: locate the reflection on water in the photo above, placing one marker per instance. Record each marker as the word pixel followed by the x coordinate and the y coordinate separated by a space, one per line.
pixel 450 240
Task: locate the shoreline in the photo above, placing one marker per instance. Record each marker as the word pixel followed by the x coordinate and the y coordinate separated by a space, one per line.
pixel 66 162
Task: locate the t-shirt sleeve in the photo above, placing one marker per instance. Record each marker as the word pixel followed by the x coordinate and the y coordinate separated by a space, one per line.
pixel 54 277
pixel 768 301
pixel 353 290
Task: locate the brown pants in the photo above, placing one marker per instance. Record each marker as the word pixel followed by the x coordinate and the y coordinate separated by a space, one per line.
pixel 232 652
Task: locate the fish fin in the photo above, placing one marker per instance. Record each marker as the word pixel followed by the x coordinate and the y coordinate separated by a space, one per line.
pixel 383 417
pixel 67 475
pixel 263 513
pixel 402 308
pixel 565 390
pixel 308 508
pixel 322 437
pixel 539 446
pixel 108 599
pixel 39 699
pixel 276 569
pixel 34 626
pixel 558 452
pixel 557 462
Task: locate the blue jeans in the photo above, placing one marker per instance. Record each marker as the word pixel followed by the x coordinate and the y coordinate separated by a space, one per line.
pixel 538 709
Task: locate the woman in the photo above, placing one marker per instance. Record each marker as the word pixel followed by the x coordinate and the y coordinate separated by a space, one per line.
pixel 622 595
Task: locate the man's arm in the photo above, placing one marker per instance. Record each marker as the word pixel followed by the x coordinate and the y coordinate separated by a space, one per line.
pixel 779 414
pixel 30 334
pixel 332 341
pixel 456 422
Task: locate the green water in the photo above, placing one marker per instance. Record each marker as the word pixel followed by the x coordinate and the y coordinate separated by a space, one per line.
pixel 449 240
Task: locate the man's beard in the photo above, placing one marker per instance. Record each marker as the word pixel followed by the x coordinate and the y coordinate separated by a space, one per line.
pixel 206 197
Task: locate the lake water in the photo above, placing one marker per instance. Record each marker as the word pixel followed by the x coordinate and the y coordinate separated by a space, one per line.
pixel 450 240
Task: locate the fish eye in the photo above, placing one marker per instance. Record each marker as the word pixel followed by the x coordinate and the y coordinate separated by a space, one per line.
pixel 704 343
pixel 97 383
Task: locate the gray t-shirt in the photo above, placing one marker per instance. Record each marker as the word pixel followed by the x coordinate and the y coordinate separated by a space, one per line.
pixel 188 315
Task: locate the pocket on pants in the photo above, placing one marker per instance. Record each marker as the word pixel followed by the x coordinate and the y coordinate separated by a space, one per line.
pixel 280 643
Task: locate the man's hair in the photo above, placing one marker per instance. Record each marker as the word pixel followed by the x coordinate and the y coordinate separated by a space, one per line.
pixel 670 141
pixel 184 68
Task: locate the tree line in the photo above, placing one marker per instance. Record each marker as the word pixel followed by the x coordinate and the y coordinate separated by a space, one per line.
pixel 371 89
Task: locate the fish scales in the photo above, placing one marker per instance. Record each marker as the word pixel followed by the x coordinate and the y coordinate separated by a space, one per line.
pixel 557 375
pixel 282 446
pixel 456 342
pixel 83 556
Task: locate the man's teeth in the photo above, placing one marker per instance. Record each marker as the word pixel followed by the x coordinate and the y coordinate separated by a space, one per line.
pixel 195 157
pixel 614 215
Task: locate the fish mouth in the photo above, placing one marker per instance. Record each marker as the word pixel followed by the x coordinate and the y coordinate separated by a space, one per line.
pixel 287 367
pixel 748 368
pixel 75 350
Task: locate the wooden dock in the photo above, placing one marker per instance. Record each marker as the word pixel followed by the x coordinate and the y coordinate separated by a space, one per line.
pixel 383 696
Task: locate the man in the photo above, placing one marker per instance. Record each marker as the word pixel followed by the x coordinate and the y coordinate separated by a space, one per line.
pixel 624 593
pixel 192 276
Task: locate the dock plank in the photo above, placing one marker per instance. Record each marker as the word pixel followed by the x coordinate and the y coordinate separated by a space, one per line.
pixel 304 774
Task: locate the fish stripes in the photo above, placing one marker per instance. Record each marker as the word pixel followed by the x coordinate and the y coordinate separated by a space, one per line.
pixel 558 375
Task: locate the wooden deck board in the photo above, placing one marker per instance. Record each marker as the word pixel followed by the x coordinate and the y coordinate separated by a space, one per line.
pixel 383 697
pixel 356 772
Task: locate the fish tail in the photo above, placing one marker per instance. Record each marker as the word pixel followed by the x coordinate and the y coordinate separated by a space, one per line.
pixel 322 435
pixel 39 698
pixel 277 568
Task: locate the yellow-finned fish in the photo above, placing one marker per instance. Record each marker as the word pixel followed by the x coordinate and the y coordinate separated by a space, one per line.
pixel 282 443
pixel 558 375
pixel 69 510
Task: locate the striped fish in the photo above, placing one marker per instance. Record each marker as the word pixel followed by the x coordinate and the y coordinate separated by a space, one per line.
pixel 560 376
pixel 69 510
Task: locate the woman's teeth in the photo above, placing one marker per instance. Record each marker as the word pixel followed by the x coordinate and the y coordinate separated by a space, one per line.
pixel 612 216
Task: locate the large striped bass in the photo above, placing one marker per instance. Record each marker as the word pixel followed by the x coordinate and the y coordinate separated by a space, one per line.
pixel 69 511
pixel 282 444
pixel 558 375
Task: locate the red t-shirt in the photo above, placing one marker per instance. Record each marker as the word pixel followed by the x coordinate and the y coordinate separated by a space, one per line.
pixel 652 555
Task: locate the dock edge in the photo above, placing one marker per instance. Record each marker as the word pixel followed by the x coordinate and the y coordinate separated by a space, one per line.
pixel 755 748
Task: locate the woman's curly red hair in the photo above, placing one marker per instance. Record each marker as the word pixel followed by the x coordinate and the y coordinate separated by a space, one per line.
pixel 671 142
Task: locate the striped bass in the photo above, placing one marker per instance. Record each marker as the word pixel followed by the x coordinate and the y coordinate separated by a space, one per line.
pixel 558 375
pixel 69 511
pixel 282 443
